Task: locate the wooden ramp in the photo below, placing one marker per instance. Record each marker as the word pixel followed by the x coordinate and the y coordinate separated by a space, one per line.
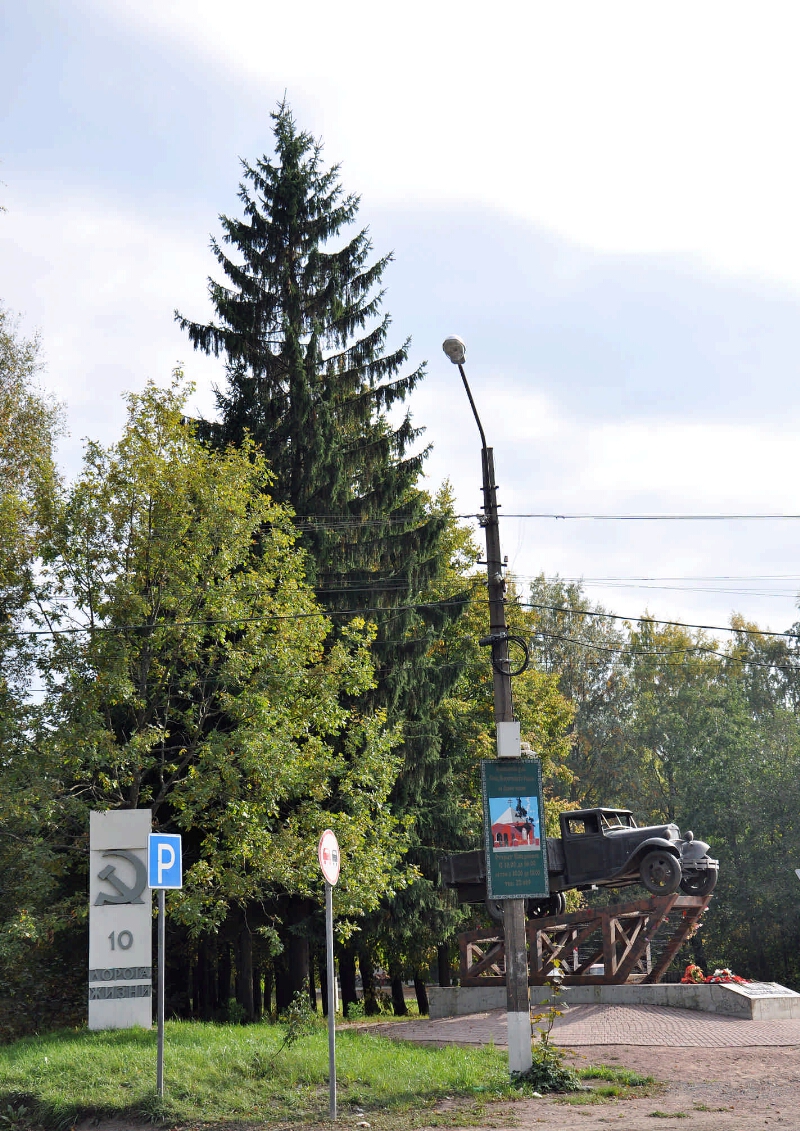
pixel 621 937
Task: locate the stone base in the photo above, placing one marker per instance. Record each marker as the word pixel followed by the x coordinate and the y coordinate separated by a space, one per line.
pixel 755 1001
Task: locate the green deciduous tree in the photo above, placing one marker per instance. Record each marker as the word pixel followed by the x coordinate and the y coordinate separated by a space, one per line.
pixel 29 422
pixel 195 676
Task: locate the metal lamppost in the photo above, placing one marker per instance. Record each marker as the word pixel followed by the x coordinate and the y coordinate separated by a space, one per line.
pixel 517 993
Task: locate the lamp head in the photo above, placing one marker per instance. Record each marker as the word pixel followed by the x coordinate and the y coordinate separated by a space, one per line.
pixel 455 350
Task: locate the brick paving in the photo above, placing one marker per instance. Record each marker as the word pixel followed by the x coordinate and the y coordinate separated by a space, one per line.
pixel 606 1025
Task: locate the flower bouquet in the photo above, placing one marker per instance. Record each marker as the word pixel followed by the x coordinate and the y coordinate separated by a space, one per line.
pixel 725 975
pixel 692 975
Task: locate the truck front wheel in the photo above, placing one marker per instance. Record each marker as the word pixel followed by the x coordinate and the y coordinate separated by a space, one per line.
pixel 699 883
pixel 660 872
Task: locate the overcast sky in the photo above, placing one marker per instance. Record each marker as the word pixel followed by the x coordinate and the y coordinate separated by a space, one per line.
pixel 600 198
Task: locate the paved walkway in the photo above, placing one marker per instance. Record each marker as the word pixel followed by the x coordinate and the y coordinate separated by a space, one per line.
pixel 606 1025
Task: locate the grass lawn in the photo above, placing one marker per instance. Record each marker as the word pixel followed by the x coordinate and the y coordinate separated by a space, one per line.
pixel 227 1074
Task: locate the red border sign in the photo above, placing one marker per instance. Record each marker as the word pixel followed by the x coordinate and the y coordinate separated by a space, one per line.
pixel 328 854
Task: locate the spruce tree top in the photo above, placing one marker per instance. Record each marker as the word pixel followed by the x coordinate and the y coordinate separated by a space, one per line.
pixel 300 326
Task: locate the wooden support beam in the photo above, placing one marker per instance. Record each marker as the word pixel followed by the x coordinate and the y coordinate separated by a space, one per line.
pixel 692 907
pixel 620 936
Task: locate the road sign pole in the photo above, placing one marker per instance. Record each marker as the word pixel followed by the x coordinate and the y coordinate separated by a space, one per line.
pixel 164 870
pixel 331 999
pixel 329 862
pixel 161 982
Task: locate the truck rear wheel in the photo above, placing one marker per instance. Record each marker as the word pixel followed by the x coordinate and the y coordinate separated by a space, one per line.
pixel 555 904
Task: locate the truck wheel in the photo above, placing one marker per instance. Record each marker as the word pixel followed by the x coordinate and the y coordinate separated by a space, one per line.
pixel 495 909
pixel 699 883
pixel 660 872
pixel 555 904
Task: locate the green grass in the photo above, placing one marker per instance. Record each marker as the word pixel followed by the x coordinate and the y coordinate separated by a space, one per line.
pixel 229 1074
pixel 617 1084
pixel 623 1076
pixel 225 1073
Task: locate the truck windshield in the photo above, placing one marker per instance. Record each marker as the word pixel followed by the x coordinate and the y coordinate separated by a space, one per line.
pixel 617 820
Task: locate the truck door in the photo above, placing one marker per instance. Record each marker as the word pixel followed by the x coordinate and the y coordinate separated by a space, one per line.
pixel 583 848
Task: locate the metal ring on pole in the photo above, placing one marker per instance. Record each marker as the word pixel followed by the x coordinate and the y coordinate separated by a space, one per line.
pixel 506 667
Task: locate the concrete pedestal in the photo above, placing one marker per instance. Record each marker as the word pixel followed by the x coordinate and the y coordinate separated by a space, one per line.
pixel 755 1001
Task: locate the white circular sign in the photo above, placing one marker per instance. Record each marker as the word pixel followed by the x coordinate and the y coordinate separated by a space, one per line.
pixel 328 853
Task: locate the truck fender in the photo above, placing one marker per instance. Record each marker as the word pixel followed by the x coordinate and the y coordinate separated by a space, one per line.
pixel 641 850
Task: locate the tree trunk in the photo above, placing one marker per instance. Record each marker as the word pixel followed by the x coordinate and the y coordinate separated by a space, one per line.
pixel 283 993
pixel 398 997
pixel 323 985
pixel 197 975
pixel 699 953
pixel 244 979
pixel 268 991
pixel 298 963
pixel 295 946
pixel 443 963
pixel 422 995
pixel 347 976
pixel 224 971
pixel 312 988
pixel 367 968
pixel 257 1004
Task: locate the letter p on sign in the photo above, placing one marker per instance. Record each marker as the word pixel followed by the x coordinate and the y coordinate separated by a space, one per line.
pixel 164 863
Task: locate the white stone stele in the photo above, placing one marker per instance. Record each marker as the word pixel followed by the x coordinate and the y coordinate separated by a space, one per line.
pixel 126 963
pixel 755 1001
pixel 519 1042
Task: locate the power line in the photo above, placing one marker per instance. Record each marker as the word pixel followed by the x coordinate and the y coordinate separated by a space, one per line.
pixel 326 521
pixel 623 650
pixel 208 622
pixel 393 610
pixel 651 517
pixel 654 620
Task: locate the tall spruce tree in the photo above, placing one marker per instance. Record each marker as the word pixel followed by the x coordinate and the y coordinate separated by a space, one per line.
pixel 310 379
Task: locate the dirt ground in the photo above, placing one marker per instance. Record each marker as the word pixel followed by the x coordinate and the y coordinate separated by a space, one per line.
pixel 721 1089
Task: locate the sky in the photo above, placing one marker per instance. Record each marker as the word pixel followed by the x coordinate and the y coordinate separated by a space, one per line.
pixel 601 199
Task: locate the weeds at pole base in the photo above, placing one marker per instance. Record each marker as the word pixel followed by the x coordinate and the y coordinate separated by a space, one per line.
pixel 548 1073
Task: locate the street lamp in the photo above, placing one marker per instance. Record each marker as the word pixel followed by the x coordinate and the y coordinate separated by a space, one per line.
pixel 498 629
pixel 517 993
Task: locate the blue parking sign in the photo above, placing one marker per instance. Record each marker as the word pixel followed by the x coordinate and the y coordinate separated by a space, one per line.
pixel 164 863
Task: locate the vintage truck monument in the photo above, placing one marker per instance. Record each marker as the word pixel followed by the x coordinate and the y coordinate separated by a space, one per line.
pixel 598 848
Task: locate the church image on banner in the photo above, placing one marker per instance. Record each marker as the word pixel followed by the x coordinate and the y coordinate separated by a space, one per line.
pixel 515 824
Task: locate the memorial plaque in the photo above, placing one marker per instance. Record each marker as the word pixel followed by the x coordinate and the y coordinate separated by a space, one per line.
pixel 763 989
pixel 120 920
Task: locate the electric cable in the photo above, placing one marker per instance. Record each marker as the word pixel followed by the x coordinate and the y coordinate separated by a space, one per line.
pixel 654 620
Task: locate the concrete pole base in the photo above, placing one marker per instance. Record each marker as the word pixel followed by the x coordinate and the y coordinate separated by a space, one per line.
pixel 519 1042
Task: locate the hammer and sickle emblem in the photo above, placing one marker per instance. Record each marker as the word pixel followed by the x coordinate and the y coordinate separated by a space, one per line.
pixel 124 894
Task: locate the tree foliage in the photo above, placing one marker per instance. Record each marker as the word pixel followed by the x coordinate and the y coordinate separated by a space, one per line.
pixel 313 378
pixel 194 676
pixel 699 731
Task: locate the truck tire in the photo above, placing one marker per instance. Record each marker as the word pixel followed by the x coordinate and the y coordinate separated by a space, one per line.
pixel 555 904
pixel 660 872
pixel 699 883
